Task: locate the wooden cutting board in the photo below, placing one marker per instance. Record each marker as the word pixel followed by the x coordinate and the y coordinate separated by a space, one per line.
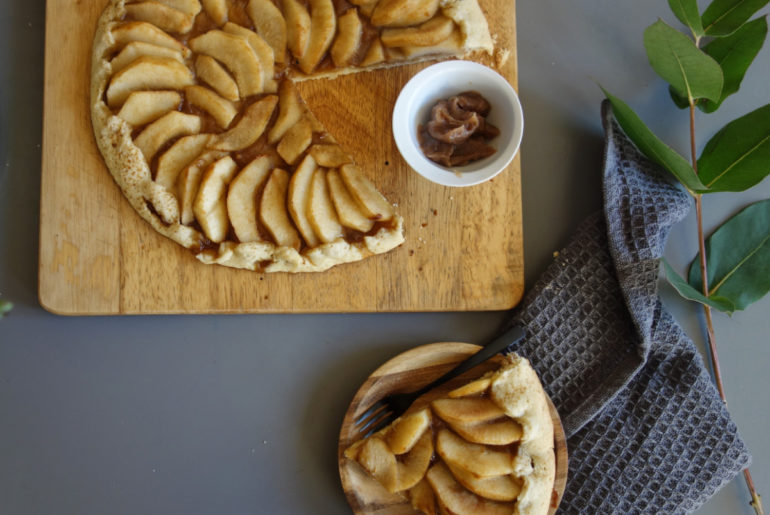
pixel 463 248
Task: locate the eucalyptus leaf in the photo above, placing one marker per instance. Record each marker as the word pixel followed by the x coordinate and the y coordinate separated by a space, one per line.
pixel 652 147
pixel 679 101
pixel 723 17
pixel 735 54
pixel 686 11
pixel 5 307
pixel 674 56
pixel 688 292
pixel 738 258
pixel 738 156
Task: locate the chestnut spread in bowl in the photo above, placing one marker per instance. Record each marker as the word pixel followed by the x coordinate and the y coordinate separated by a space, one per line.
pixel 457 133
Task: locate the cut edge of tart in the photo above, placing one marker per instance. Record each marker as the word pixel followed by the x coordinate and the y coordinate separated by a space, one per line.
pixel 190 99
pixel 491 446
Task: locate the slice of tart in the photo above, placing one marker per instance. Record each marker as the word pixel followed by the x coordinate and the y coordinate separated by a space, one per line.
pixel 486 447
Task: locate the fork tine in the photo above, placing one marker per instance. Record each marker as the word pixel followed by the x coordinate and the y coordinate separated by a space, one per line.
pixel 383 422
pixel 376 418
pixel 373 409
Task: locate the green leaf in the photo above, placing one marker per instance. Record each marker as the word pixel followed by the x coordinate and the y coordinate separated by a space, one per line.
pixel 686 11
pixel 735 54
pixel 738 156
pixel 652 147
pixel 688 292
pixel 738 258
pixel 674 56
pixel 723 17
pixel 5 307
pixel 680 101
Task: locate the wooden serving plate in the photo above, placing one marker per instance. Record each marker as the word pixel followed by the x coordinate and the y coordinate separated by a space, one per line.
pixel 98 257
pixel 407 372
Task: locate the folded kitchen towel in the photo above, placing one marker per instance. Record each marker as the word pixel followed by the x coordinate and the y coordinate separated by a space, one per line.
pixel 647 431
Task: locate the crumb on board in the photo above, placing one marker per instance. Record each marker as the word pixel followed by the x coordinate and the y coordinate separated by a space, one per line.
pixel 501 56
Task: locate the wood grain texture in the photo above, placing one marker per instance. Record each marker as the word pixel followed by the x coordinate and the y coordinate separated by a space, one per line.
pixel 463 248
pixel 408 372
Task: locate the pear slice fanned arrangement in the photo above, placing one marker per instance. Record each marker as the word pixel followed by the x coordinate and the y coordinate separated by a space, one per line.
pixel 485 448
pixel 196 115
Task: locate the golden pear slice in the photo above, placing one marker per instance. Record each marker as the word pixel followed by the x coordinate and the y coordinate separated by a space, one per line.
pixel 189 181
pixel 146 32
pixel 273 213
pixel 320 209
pixel 352 452
pixel 348 210
pixel 162 16
pixel 476 387
pixel 191 7
pixel 249 128
pixel 467 410
pixel 451 45
pixel 136 49
pixel 142 107
pixel 235 53
pixel 210 207
pixel 404 433
pixel 502 432
pixel 223 111
pixel 375 54
pixel 323 25
pixel 432 32
pixel 179 155
pixel 289 111
pixel 371 201
pixel 217 10
pixel 212 73
pixel 413 465
pixel 453 498
pixel 329 155
pixel 269 23
pixel 242 198
pixel 400 13
pixel 169 126
pixel 474 458
pixel 365 6
pixel 422 497
pixel 295 141
pixel 377 459
pixel 497 488
pixel 297 27
pixel 147 72
pixel 264 54
pixel 348 38
pixel 298 199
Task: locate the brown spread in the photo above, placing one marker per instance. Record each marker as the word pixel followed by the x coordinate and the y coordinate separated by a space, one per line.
pixel 458 133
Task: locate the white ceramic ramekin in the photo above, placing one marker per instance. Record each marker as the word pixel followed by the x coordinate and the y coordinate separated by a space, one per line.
pixel 442 81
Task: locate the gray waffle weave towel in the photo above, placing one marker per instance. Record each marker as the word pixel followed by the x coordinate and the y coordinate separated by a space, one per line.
pixel 647 432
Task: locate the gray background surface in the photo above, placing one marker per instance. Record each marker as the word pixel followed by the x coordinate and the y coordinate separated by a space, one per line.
pixel 240 414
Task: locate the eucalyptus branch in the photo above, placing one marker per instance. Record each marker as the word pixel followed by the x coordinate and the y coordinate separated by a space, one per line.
pixel 703 264
pixel 756 499
pixel 735 159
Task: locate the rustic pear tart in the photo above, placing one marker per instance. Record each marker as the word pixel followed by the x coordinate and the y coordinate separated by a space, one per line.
pixel 486 447
pixel 195 112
